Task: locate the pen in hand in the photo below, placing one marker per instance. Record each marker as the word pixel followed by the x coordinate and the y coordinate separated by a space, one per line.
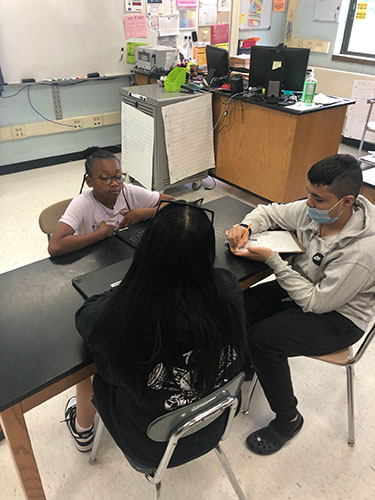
pixel 243 236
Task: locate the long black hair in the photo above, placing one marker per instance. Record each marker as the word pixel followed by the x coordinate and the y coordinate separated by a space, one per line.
pixel 172 281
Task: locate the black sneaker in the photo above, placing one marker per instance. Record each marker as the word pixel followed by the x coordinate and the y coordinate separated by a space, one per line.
pixel 82 440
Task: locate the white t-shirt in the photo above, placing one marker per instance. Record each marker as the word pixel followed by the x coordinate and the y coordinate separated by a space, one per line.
pixel 84 213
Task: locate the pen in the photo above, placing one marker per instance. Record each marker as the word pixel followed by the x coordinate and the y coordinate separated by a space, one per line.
pixel 245 233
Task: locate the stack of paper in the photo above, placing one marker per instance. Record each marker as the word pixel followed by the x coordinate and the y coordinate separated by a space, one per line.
pixel 369 159
pixel 325 99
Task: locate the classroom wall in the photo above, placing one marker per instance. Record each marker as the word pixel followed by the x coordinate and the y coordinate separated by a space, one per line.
pixel 79 100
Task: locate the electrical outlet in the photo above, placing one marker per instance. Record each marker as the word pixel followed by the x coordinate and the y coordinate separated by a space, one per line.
pixel 19 132
pixel 97 121
pixel 77 123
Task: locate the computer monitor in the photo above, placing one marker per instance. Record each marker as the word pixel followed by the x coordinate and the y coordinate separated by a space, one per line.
pixel 217 62
pixel 287 65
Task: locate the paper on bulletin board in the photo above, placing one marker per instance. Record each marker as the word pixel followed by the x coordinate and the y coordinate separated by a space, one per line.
pixel 279 5
pixel 133 5
pixel 185 134
pixel 223 5
pixel 168 25
pixel 361 10
pixel 137 130
pixel 186 4
pixel 202 61
pixel 207 12
pixel 188 19
pixel 130 51
pixel 155 8
pixel 224 46
pixel 204 34
pixel 167 41
pixel 219 33
pixel 327 10
pixel 135 26
pixel 256 14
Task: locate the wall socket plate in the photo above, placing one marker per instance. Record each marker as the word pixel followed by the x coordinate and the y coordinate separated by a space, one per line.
pixel 75 123
pixel 19 132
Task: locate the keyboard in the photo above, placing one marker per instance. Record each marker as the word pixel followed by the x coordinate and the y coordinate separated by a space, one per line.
pixel 132 235
pixel 135 238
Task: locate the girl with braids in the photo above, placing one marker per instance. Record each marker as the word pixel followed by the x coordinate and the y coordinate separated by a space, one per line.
pixel 171 333
pixel 110 204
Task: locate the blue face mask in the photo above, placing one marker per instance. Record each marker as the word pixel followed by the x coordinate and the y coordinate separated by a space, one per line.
pixel 321 216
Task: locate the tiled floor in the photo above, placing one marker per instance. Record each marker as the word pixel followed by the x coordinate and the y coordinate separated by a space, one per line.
pixel 317 464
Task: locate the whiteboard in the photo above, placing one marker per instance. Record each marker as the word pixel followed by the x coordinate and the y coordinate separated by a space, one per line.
pixel 45 39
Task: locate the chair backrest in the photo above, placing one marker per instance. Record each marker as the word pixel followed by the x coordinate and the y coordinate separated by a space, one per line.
pixel 50 216
pixel 197 415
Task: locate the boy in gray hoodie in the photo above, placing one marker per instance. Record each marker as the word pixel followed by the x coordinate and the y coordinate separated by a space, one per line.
pixel 324 300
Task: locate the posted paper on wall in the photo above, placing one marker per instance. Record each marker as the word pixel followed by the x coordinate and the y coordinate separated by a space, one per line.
pixel 188 141
pixel 135 26
pixel 355 122
pixel 137 131
pixel 168 25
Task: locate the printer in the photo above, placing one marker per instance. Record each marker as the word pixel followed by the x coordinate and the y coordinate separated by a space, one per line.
pixel 155 58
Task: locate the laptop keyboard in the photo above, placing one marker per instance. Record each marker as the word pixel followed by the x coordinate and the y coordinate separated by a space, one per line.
pixel 134 238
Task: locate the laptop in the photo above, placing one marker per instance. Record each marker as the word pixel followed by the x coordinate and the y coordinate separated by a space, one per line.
pixel 132 234
pixel 101 280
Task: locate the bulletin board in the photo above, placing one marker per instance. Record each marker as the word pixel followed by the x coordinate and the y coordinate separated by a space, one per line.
pixel 46 39
pixel 256 14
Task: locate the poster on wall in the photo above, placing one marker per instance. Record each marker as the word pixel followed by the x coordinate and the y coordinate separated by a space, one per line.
pixel 133 6
pixel 207 12
pixel 255 14
pixel 188 19
pixel 327 10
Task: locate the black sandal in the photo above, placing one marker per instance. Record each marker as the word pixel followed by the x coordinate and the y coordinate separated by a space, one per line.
pixel 267 440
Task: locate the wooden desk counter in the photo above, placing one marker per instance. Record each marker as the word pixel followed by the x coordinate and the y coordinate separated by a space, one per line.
pixel 268 151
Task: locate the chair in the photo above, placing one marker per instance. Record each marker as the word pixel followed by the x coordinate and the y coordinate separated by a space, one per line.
pixel 180 423
pixel 369 125
pixel 345 358
pixel 50 216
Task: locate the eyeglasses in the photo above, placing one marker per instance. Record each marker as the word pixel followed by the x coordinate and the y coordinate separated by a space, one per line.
pixel 195 204
pixel 107 179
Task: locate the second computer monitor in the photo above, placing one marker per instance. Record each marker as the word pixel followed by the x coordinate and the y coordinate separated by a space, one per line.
pixel 287 65
pixel 217 61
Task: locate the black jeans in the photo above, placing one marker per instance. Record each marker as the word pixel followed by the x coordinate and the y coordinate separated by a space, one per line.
pixel 279 329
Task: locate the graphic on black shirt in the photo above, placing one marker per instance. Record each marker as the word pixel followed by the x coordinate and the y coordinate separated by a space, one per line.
pixel 179 379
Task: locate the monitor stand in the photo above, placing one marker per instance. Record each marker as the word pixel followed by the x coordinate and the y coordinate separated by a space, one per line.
pixel 210 75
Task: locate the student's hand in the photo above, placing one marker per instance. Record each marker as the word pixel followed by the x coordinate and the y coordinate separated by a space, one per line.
pixel 261 254
pixel 234 236
pixel 106 229
pixel 132 216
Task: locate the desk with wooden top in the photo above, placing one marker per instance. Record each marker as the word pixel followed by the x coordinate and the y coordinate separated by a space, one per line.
pixel 41 352
pixel 268 149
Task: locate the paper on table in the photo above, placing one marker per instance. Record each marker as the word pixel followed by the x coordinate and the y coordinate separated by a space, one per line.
pixel 168 25
pixel 278 241
pixel 325 99
pixel 188 140
pixel 137 131
pixel 135 26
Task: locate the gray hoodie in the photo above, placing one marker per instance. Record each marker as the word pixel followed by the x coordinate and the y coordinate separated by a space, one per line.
pixel 336 273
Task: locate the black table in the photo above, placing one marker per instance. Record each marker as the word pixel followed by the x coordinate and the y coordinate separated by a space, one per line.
pixel 41 353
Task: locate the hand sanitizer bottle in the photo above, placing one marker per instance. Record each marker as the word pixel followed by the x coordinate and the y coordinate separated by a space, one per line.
pixel 309 88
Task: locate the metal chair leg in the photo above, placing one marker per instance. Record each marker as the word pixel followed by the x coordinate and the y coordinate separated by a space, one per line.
pixel 229 472
pixel 349 384
pixel 157 495
pixel 247 400
pixel 95 446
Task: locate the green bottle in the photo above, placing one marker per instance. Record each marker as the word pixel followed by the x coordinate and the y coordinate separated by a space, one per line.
pixel 309 88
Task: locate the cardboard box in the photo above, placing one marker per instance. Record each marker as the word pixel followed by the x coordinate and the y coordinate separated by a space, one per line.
pixel 240 61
